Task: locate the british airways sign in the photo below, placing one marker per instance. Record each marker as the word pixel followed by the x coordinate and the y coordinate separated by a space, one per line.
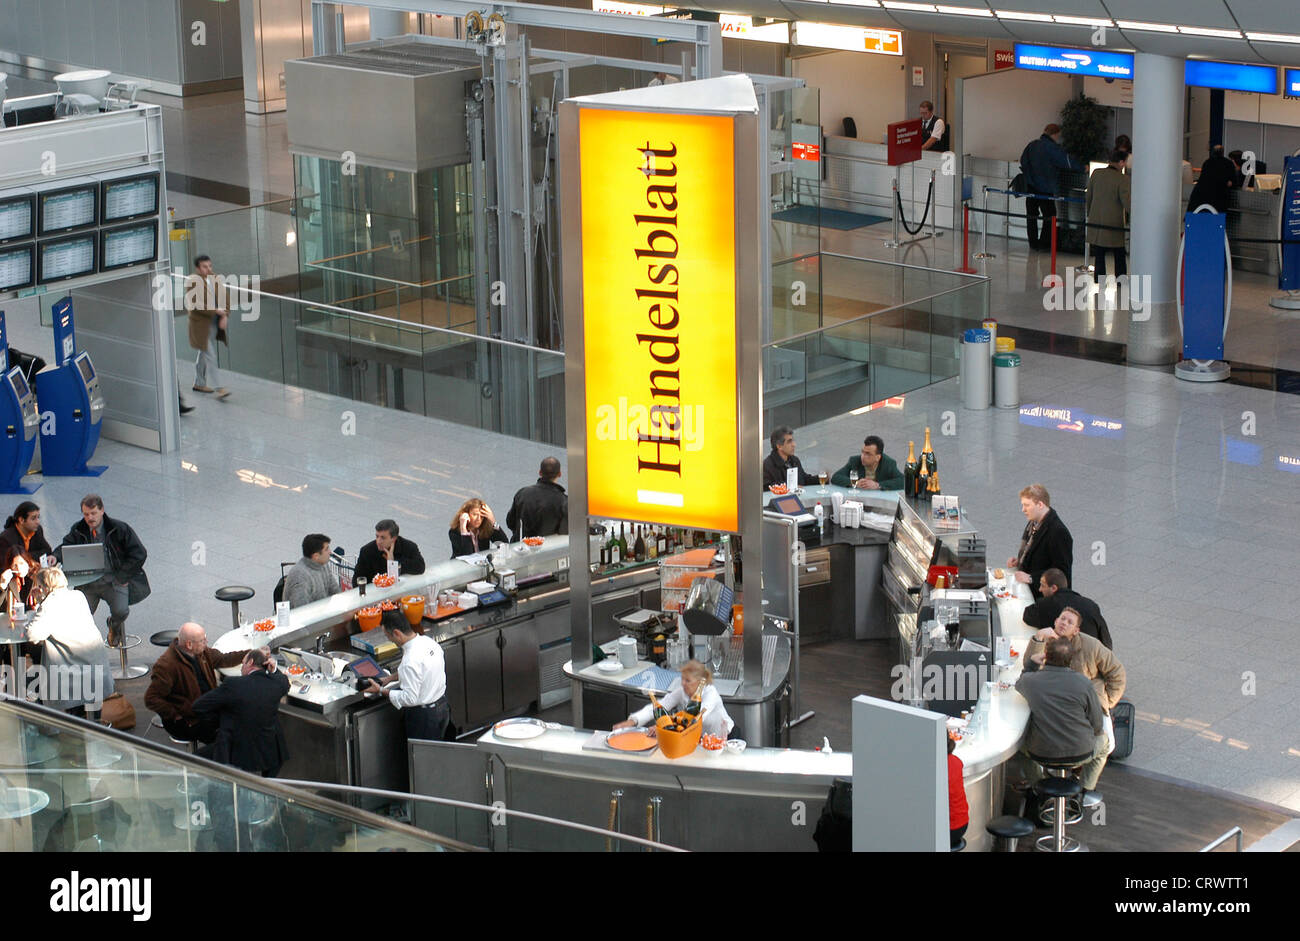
pixel 1074 61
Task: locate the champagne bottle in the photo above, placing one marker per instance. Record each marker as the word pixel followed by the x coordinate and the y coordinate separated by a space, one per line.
pixel 927 455
pixel 922 481
pixel 638 548
pixel 910 469
pixel 660 711
pixel 615 550
pixel 622 542
pixel 693 707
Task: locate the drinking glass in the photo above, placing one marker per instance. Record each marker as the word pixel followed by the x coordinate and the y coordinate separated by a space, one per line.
pixel 853 478
pixel 823 478
pixel 718 652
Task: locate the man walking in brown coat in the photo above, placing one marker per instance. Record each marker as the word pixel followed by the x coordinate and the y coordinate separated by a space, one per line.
pixel 204 300
pixel 186 670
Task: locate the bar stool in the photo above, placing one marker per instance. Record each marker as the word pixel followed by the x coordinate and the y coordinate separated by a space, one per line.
pixel 1061 768
pixel 961 845
pixel 234 594
pixel 163 638
pixel 1006 830
pixel 157 723
pixel 124 670
pixel 1059 786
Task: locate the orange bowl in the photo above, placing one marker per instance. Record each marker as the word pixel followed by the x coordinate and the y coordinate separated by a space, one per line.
pixel 677 744
pixel 370 617
pixel 533 541
pixel 413 608
pixel 384 581
pixel 265 625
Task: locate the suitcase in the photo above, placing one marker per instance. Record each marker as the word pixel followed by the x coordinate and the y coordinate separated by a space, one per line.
pixel 1122 717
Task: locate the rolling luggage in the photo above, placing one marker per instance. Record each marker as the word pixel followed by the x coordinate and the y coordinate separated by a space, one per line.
pixel 1122 716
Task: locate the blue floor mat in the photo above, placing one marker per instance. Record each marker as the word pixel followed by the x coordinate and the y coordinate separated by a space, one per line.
pixel 826 218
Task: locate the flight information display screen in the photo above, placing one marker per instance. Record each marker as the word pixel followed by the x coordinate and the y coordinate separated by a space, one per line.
pixel 16 264
pixel 130 197
pixel 128 245
pixel 16 217
pixel 66 258
pixel 64 210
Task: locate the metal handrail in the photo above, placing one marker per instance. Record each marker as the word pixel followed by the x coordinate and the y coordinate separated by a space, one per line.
pixel 1234 832
pixel 407 324
pixel 467 805
pixel 867 316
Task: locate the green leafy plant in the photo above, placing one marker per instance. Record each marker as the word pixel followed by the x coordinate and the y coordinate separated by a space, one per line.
pixel 1083 128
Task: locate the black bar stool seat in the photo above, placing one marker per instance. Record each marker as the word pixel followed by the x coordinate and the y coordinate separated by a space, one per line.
pixel 163 638
pixel 1006 830
pixel 234 594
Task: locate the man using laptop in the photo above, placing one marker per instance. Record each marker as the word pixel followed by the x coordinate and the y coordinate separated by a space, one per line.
pixel 123 582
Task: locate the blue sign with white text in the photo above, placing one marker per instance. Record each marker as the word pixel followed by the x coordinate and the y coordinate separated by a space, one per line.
pixel 1233 76
pixel 1074 61
pixel 1072 420
pixel 1288 278
pixel 1291 82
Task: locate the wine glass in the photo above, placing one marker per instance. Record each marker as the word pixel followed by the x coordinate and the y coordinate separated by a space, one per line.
pixel 823 477
pixel 717 653
pixel 853 479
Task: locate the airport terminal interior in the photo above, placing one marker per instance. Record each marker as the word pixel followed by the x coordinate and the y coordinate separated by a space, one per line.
pixel 406 328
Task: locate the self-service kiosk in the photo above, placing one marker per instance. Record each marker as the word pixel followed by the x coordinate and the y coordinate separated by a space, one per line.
pixel 19 421
pixel 71 405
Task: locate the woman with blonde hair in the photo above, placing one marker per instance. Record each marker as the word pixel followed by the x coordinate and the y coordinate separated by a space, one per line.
pixel 696 677
pixel 473 528
pixel 75 658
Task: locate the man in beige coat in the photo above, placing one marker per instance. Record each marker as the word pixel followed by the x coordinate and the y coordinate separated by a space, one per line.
pixel 1093 660
pixel 1109 199
pixel 204 296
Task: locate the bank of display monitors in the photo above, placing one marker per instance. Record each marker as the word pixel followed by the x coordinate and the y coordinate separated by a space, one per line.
pixel 67 208
pixel 126 245
pixel 128 197
pixel 17 216
pixel 17 267
pixel 71 257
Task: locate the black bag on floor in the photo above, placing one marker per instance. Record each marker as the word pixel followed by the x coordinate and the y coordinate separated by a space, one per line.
pixel 1122 717
pixel 834 833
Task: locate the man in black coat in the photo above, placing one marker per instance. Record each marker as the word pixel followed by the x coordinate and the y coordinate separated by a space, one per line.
pixel 245 710
pixel 1045 544
pixel 541 509
pixel 1218 175
pixel 125 583
pixel 1055 596
pixel 388 547
pixel 782 459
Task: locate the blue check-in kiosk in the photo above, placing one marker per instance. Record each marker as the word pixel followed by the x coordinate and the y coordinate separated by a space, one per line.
pixel 71 405
pixel 19 421
pixel 1205 302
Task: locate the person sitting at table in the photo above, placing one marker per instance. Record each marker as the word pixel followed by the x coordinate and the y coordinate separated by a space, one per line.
pixel 876 470
pixel 782 459
pixel 244 711
pixel 23 530
pixel 1045 543
pixel 310 579
pixel 1066 717
pixel 1096 664
pixel 473 529
pixel 1055 596
pixel 388 547
pixel 15 576
pixel 74 659
pixel 541 509
pixel 186 670
pixel 695 677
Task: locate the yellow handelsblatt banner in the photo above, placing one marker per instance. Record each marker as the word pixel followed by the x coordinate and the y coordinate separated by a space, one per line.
pixel 659 317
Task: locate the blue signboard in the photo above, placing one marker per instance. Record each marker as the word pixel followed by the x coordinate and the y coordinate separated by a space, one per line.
pixel 1074 61
pixel 1071 420
pixel 1232 76
pixel 1288 278
pixel 1291 82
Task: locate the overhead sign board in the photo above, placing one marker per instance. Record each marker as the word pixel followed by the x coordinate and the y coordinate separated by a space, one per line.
pixel 662 265
pixel 887 42
pixel 1004 59
pixel 1097 62
pixel 903 141
pixel 1231 76
pixel 1291 83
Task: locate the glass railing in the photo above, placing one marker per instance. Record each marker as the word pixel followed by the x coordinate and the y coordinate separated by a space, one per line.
pixel 67 785
pixel 838 352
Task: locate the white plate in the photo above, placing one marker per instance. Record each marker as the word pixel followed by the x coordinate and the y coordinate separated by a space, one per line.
pixel 518 729
pixel 609 666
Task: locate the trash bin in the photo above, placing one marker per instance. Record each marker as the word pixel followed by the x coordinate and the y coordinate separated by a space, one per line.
pixel 1006 380
pixel 1005 345
pixel 976 373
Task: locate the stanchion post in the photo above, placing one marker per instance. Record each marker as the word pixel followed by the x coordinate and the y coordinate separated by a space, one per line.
pixel 934 211
pixel 965 241
pixel 1053 244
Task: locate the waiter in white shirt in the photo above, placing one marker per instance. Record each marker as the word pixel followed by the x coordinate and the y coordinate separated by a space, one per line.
pixel 933 129
pixel 421 687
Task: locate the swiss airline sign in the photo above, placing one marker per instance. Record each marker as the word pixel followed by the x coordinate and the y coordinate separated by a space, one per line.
pixel 904 142
pixel 1004 59
pixel 805 151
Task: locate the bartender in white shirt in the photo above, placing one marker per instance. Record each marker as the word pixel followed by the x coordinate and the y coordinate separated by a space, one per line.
pixel 695 676
pixel 421 687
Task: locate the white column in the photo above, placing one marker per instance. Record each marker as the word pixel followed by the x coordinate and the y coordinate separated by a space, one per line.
pixel 1154 336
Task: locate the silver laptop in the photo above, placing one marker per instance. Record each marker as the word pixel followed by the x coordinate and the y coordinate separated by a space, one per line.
pixel 84 560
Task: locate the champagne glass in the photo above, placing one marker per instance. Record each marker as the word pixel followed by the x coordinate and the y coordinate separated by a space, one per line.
pixel 823 478
pixel 853 479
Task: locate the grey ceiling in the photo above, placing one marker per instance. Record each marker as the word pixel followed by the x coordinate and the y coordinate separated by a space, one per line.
pixel 1265 16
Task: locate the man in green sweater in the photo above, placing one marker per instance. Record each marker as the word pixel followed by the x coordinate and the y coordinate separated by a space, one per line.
pixel 875 469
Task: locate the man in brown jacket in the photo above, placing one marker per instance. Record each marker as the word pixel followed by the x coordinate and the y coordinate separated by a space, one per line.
pixel 186 670
pixel 1100 665
pixel 204 297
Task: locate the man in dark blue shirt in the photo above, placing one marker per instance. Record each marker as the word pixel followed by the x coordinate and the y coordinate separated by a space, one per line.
pixel 1041 163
